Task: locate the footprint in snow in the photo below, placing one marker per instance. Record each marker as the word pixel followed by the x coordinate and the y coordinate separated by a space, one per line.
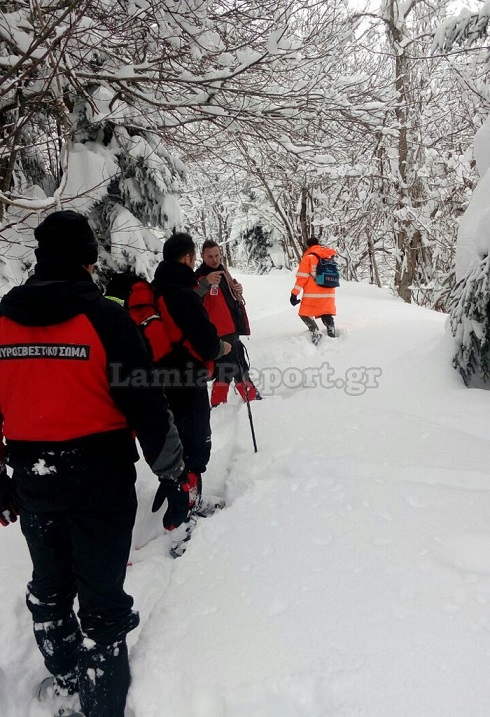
pixel 467 552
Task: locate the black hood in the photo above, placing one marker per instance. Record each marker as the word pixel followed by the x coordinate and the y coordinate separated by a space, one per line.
pixel 55 293
pixel 174 274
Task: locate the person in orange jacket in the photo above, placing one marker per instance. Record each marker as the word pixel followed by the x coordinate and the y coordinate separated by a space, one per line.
pixel 317 301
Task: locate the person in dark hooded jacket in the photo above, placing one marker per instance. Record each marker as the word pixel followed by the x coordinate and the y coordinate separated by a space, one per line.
pixel 196 346
pixel 69 412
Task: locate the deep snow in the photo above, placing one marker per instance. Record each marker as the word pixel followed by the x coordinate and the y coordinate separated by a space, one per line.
pixel 349 574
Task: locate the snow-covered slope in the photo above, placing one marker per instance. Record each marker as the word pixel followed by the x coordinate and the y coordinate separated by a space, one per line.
pixel 349 574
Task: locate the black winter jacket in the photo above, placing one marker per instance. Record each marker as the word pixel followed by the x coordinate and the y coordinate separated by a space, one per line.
pixel 176 283
pixel 54 297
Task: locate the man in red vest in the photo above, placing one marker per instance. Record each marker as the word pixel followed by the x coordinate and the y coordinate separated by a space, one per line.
pixel 223 300
pixel 69 434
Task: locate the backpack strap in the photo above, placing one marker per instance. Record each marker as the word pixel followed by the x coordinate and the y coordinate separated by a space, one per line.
pixel 313 271
pixel 153 317
pixel 327 258
pixel 119 301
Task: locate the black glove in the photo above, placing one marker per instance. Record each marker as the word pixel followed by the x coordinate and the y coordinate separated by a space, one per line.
pixel 181 494
pixel 8 511
pixel 293 300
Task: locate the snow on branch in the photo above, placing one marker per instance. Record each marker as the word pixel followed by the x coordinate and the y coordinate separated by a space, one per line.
pixel 464 30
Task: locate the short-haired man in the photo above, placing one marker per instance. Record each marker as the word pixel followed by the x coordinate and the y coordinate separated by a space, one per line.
pixel 223 300
pixel 69 439
pixel 193 355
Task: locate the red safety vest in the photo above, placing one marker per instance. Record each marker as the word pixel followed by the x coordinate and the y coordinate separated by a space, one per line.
pixel 54 384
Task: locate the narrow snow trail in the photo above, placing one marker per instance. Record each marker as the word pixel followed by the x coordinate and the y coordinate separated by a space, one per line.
pixel 349 574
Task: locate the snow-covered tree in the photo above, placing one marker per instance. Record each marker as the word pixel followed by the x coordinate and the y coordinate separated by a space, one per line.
pixel 470 302
pixel 374 167
pixel 470 299
pixel 282 171
pixel 124 88
pixel 466 29
pixel 103 107
pixel 252 233
pixel 421 154
pixel 209 201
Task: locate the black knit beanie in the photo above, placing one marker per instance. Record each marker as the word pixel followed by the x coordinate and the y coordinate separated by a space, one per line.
pixel 66 236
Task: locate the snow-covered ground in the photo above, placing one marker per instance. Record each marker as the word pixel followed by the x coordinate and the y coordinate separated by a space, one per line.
pixel 349 574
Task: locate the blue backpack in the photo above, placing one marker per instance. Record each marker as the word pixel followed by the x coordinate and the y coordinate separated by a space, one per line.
pixel 327 273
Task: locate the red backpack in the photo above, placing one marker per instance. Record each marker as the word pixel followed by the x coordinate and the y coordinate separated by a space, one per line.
pixel 150 314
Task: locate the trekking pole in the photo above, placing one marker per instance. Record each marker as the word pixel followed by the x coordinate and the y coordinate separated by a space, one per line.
pixel 247 400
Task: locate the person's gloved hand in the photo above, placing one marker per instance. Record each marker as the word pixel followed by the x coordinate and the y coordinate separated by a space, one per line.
pixel 8 511
pixel 181 495
pixel 293 300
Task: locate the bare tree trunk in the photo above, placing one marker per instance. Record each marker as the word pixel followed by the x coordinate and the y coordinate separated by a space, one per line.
pixel 402 278
pixel 203 225
pixel 373 267
pixel 303 216
pixel 229 260
pixel 222 240
pixel 407 237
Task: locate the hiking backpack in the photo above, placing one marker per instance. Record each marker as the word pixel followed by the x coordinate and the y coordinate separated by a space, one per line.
pixel 149 312
pixel 327 273
pixel 146 311
pixel 138 297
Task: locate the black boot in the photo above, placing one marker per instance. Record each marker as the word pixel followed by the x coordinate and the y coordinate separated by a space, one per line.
pixel 316 337
pixel 104 678
pixel 329 322
pixel 59 643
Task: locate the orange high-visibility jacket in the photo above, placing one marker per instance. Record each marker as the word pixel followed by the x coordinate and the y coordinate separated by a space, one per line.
pixel 316 300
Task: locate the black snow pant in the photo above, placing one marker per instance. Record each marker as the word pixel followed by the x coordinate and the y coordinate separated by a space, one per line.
pixel 327 320
pixel 234 365
pixel 190 406
pixel 84 551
